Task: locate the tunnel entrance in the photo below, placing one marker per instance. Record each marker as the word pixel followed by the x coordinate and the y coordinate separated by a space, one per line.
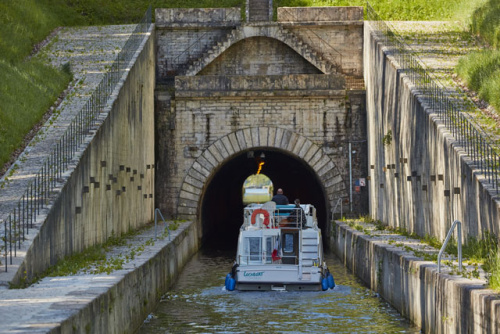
pixel 222 204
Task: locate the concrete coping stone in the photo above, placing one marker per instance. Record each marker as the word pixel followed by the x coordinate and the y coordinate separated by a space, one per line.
pixel 201 16
pixel 44 306
pixel 300 82
pixel 413 247
pixel 321 23
pixel 318 14
pixel 394 266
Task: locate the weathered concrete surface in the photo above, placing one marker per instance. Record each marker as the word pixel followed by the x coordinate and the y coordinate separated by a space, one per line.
pixel 438 303
pixel 420 180
pixel 183 17
pixel 88 51
pixel 103 303
pixel 109 186
pixel 320 14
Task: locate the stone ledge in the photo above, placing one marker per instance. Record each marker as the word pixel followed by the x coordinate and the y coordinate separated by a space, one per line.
pixel 274 85
pixel 211 17
pixel 206 94
pixel 319 14
pixel 114 303
pixel 297 24
pixel 436 302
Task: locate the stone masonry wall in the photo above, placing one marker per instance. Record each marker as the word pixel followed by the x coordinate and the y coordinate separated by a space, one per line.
pixel 314 106
pixel 185 34
pixel 319 14
pixel 285 48
pixel 420 179
pixel 337 33
pixel 259 56
pixel 110 191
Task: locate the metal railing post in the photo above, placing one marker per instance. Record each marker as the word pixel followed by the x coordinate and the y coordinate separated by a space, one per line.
pixel 158 212
pixel 39 191
pixel 459 244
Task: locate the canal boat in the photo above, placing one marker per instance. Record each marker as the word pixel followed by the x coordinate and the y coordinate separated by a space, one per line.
pixel 279 248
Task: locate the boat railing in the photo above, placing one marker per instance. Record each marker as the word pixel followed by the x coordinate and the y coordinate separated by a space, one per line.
pixel 282 216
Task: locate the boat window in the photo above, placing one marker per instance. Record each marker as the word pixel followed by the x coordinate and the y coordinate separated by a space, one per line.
pixel 288 243
pixel 254 248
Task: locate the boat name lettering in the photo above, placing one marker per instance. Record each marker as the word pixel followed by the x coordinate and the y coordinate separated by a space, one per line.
pixel 258 274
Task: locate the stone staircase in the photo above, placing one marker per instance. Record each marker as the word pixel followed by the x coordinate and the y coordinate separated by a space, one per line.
pixel 258 10
pixel 305 50
pixel 271 30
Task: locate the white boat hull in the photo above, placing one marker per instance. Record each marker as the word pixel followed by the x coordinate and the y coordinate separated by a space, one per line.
pixel 277 277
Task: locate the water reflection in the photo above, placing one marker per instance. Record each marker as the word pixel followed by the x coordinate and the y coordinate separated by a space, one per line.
pixel 198 303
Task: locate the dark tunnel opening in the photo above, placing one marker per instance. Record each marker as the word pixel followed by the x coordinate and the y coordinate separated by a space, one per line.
pixel 222 206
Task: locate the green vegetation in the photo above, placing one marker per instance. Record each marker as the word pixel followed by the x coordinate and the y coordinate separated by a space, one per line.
pixel 481 70
pixel 481 73
pixel 96 259
pixel 28 88
pixel 475 252
pixel 257 188
pixel 399 10
pixel 25 97
pixel 486 23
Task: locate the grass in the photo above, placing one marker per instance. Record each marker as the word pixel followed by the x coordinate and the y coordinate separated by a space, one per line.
pixel 477 252
pixel 398 10
pixel 27 22
pixel 28 88
pixel 27 91
pixel 96 259
pixel 485 22
pixel 481 72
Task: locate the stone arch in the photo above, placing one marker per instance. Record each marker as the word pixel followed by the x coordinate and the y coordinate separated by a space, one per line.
pixel 222 150
pixel 276 32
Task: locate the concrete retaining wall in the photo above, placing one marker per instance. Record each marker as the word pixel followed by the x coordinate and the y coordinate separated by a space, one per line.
pixel 110 189
pixel 438 303
pixel 421 179
pixel 123 307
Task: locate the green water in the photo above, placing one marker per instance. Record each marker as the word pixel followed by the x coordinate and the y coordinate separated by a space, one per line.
pixel 198 303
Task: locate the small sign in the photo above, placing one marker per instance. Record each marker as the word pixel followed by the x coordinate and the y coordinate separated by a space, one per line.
pixel 357 189
pixel 362 182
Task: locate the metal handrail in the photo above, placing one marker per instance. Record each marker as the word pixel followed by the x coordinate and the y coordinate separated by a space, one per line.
pixel 41 190
pixel 476 144
pixel 459 243
pixel 199 51
pixel 157 211
pixel 339 201
pixel 339 54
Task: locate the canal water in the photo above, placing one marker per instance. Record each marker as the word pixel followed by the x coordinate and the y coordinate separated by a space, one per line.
pixel 198 303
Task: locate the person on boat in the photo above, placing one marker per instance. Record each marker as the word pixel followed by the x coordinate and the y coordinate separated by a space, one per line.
pixel 279 198
pixel 298 215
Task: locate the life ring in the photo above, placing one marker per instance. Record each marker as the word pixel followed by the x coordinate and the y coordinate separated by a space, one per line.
pixel 262 211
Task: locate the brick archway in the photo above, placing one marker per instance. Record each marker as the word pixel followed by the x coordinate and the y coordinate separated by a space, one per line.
pixel 223 149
